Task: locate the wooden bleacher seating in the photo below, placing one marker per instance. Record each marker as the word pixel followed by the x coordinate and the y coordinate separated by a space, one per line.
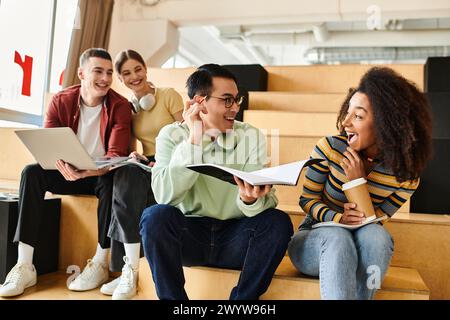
pixel 298 101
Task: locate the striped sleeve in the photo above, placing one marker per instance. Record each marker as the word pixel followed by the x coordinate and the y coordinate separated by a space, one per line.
pixel 313 187
pixel 392 203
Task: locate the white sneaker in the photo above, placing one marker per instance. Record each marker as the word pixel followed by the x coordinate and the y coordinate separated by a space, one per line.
pixel 93 275
pixel 108 288
pixel 127 287
pixel 21 276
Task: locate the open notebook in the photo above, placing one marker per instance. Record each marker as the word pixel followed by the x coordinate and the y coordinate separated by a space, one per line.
pixel 348 226
pixel 286 174
pixel 132 162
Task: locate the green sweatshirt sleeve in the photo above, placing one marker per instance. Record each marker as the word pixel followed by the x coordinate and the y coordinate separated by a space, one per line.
pixel 170 179
pixel 266 202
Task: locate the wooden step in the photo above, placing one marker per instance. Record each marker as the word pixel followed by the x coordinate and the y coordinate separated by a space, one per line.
pixel 308 79
pixel 14 156
pixel 287 284
pixel 172 77
pixel 295 101
pixel 285 149
pixel 53 286
pixel 292 123
pixel 78 230
pixel 213 283
pixel 331 78
pixel 429 253
pixel 7 185
pixel 422 242
pixel 78 226
pixel 290 194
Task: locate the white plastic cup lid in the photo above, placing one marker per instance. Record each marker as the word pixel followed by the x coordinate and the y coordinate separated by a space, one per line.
pixel 353 183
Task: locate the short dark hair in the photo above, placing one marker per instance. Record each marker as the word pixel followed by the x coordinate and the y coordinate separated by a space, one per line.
pixel 402 119
pixel 126 55
pixel 94 52
pixel 200 82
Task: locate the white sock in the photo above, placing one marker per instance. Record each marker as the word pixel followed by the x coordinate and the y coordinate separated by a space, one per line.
pixel 101 255
pixel 25 253
pixel 132 251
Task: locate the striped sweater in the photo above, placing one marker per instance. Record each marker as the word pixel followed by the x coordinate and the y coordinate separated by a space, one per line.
pixel 323 199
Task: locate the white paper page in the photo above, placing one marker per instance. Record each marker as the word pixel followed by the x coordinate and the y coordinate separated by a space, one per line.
pixel 106 161
pixel 286 173
pixel 346 226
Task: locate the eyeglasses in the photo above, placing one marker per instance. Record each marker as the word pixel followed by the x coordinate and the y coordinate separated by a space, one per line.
pixel 229 101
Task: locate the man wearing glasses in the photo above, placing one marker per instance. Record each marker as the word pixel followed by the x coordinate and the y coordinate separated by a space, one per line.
pixel 204 221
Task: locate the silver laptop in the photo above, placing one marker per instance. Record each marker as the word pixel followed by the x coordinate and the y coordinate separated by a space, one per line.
pixel 47 145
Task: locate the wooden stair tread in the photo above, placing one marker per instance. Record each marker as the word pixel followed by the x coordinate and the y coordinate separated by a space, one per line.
pixel 171 77
pixel 8 185
pixel 400 278
pixel 53 286
pixel 401 217
pixel 421 218
pixel 297 78
pixel 339 78
pixel 397 278
pixel 287 283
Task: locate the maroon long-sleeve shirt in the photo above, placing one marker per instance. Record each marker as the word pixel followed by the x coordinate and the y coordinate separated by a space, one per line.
pixel 115 120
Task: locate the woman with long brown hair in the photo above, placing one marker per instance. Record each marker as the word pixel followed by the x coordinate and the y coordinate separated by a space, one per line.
pixel 153 108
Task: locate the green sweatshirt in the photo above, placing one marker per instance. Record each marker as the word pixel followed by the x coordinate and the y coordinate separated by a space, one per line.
pixel 243 148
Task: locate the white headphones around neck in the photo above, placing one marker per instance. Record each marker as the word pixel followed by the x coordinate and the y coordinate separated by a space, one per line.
pixel 145 103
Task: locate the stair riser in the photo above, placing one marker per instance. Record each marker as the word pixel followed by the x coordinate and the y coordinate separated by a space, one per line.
pixel 295 102
pixel 425 247
pixel 297 78
pixel 330 79
pixel 293 124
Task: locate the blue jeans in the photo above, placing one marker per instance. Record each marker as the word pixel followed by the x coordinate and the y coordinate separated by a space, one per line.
pixel 351 264
pixel 255 245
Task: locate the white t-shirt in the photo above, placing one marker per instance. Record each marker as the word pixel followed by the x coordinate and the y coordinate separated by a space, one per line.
pixel 89 130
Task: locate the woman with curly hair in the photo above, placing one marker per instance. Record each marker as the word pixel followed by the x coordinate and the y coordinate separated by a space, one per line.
pixel 385 137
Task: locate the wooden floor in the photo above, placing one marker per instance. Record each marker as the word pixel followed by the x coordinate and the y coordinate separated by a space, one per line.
pixel 53 286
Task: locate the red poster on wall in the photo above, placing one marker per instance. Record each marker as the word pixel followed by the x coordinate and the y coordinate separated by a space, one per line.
pixel 27 68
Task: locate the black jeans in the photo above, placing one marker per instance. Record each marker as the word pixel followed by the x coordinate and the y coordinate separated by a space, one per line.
pixel 35 181
pixel 132 193
pixel 255 245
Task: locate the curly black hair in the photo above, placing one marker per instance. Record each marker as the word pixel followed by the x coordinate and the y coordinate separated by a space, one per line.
pixel 402 118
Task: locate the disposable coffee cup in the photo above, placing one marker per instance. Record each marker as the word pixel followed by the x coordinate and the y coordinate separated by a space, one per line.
pixel 357 192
